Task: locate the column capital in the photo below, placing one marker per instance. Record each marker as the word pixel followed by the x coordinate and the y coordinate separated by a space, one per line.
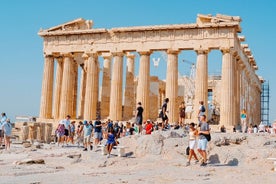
pixel 120 54
pixel 225 50
pixel 48 55
pixel 106 55
pixel 202 51
pixel 171 51
pixel 129 55
pixel 69 54
pixel 86 55
pixel 144 52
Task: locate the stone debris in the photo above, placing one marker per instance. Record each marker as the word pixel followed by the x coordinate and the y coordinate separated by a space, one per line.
pixel 30 161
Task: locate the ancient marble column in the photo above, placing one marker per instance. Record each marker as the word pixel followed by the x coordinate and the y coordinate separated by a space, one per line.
pixel 91 93
pixel 172 86
pixel 75 90
pixel 143 87
pixel 201 82
pixel 106 82
pixel 129 100
pixel 227 114
pixel 115 110
pixel 82 92
pixel 238 90
pixel 47 88
pixel 66 104
pixel 58 85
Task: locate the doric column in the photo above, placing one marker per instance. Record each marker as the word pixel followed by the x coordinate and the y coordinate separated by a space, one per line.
pixel 115 110
pixel 47 88
pixel 238 90
pixel 201 81
pixel 58 85
pixel 172 85
pixel 227 113
pixel 75 89
pixel 129 100
pixel 66 104
pixel 106 82
pixel 82 92
pixel 91 93
pixel 143 87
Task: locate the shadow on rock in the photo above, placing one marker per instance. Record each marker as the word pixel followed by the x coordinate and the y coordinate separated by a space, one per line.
pixel 214 159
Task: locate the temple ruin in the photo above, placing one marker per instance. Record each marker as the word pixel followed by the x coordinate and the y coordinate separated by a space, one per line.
pixel 77 45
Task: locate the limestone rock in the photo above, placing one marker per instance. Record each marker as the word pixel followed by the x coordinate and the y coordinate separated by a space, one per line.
pixel 27 145
pixel 30 161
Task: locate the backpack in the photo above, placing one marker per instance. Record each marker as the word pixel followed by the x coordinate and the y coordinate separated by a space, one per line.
pixel 203 108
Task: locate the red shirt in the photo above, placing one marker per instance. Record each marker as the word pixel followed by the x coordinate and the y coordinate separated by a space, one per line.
pixel 148 128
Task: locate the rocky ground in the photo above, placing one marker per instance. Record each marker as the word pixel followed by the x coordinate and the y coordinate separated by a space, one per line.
pixel 156 158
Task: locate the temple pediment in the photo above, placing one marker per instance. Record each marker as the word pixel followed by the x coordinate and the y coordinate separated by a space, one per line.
pixel 218 19
pixel 77 24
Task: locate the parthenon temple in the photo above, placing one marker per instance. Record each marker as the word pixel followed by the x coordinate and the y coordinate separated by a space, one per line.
pixel 72 84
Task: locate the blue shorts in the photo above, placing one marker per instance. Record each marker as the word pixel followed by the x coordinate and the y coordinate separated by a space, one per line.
pixel 202 144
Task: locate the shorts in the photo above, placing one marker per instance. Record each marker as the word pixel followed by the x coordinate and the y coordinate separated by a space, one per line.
pixel 98 135
pixel 202 144
pixel 164 118
pixel 192 144
pixel 86 139
pixel 139 120
pixel 66 133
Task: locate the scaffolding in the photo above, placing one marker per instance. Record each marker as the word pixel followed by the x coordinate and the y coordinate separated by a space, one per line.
pixel 265 103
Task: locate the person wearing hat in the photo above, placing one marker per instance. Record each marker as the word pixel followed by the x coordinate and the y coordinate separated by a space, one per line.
pixel 148 127
pixel 87 130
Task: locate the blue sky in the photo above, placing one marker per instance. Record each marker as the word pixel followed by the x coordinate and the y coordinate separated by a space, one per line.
pixel 21 48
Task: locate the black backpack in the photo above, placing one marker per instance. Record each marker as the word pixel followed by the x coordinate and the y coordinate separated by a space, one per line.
pixel 202 108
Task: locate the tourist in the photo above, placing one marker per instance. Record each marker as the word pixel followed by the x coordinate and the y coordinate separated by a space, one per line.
pixel 60 131
pixel 255 129
pixel 7 128
pixel 148 127
pixel 163 114
pixel 71 132
pixel 117 130
pixel 222 129
pixel 201 111
pixel 87 130
pixel 202 142
pixel 97 131
pixel 250 129
pixel 66 123
pixel 243 120
pixel 80 133
pixel 2 121
pixel 111 140
pixel 182 108
pixel 139 116
pixel 193 133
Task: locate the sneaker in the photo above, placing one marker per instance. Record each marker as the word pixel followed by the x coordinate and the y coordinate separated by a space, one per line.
pixel 203 164
pixel 108 156
pixel 188 163
pixel 197 161
pixel 85 149
pixel 91 147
